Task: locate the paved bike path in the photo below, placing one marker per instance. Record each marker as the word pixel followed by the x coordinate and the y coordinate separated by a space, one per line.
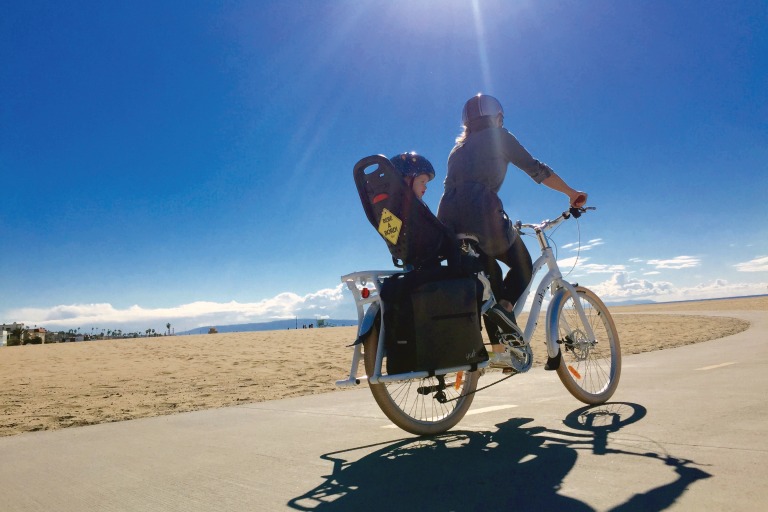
pixel 686 430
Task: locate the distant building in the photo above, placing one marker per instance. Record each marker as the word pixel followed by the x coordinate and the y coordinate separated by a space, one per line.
pixel 40 332
pixel 6 330
pixel 27 334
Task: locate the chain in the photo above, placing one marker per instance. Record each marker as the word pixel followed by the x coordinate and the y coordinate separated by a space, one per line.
pixel 482 388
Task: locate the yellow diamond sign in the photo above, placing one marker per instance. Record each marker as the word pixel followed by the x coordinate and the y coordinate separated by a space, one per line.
pixel 389 226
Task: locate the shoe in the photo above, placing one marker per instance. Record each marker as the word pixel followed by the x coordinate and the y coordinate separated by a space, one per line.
pixel 505 320
pixel 553 363
pixel 500 360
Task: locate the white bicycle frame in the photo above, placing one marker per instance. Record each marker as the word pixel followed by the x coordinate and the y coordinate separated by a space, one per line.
pixel 559 287
pixel 371 281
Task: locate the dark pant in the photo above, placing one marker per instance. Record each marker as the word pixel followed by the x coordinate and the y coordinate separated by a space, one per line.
pixel 518 259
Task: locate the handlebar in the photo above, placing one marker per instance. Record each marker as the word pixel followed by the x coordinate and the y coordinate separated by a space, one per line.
pixel 544 225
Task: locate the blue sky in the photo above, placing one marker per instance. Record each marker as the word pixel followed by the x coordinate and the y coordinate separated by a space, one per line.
pixel 190 162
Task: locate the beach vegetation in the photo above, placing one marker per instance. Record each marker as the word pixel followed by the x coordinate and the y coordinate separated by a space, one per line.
pixel 34 340
pixel 17 336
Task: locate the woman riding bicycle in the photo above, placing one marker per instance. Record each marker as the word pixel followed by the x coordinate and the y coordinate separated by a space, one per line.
pixel 470 204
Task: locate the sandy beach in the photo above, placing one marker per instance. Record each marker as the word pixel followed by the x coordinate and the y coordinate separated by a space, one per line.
pixel 46 387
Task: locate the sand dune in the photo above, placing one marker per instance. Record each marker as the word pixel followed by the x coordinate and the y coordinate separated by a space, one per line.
pixel 44 387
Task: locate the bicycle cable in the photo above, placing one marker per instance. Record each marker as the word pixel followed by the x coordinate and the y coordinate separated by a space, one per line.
pixel 578 247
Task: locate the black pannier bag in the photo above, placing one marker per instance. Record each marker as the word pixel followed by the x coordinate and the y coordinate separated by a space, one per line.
pixel 431 324
pixel 414 236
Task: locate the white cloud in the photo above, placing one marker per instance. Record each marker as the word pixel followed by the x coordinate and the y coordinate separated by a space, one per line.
pixel 597 268
pixel 577 246
pixel 652 273
pixel 759 264
pixel 621 286
pixel 321 304
pixel 676 263
pixel 566 264
pixel 592 243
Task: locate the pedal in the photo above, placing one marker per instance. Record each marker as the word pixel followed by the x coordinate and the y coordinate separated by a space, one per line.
pixel 511 340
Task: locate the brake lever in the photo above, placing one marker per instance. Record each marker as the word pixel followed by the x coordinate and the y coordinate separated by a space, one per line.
pixel 577 211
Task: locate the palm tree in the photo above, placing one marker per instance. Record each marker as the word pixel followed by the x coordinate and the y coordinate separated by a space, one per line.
pixel 168 326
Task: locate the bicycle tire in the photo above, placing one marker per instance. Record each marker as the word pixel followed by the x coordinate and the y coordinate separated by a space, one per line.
pixel 589 372
pixel 415 412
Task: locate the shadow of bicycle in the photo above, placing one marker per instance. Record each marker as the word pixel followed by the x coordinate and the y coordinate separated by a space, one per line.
pixel 518 466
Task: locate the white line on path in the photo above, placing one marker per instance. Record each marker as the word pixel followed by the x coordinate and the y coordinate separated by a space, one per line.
pixel 716 366
pixel 474 411
pixel 489 409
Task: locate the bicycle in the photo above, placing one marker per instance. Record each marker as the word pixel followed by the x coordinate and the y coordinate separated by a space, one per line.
pixel 581 340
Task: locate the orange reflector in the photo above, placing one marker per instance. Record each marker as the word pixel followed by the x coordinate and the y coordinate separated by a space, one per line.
pixel 459 379
pixel 365 292
pixel 574 372
pixel 379 197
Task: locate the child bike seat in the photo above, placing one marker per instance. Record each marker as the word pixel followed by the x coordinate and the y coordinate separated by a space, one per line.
pixel 414 236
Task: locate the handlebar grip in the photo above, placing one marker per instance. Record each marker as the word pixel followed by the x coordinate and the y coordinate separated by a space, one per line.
pixel 580 199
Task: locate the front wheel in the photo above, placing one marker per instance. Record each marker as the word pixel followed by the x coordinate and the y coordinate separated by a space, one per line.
pixel 589 369
pixel 427 406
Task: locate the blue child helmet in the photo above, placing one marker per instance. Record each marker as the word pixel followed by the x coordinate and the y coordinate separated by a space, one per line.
pixel 412 164
pixel 480 106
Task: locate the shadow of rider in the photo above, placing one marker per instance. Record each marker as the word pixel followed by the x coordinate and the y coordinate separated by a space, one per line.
pixel 512 467
pixel 517 467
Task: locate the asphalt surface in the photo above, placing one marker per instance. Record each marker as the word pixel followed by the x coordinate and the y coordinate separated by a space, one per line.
pixel 686 430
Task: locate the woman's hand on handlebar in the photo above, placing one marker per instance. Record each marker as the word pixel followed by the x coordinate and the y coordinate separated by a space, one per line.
pixel 578 198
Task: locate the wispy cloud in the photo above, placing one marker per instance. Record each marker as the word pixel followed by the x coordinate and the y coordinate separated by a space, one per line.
pixel 597 268
pixel 676 263
pixel 576 246
pixel 322 304
pixel 566 264
pixel 759 264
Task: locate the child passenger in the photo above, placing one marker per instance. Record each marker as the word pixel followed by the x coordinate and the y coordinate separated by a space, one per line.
pixel 417 171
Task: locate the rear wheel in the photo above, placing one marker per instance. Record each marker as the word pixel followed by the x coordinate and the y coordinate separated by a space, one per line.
pixel 427 406
pixel 589 370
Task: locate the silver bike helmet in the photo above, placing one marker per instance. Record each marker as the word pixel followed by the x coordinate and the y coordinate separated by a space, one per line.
pixel 480 106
